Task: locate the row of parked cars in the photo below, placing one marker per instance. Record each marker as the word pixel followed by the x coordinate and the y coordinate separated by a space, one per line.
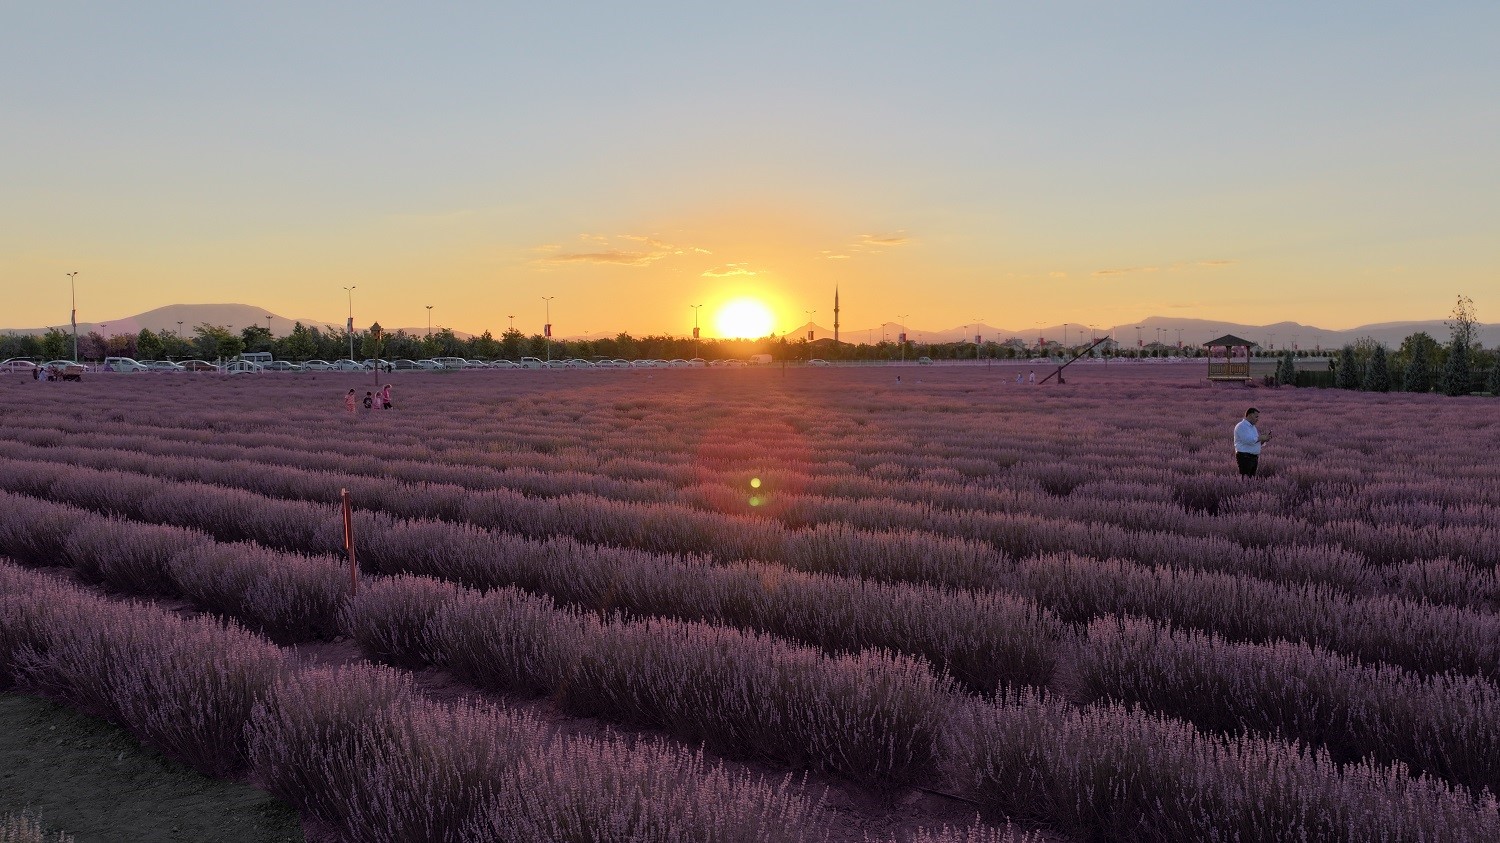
pixel 127 365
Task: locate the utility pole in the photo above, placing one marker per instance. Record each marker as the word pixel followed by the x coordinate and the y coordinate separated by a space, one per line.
pixel 429 321
pixel 547 326
pixel 73 287
pixel 349 326
pixel 696 308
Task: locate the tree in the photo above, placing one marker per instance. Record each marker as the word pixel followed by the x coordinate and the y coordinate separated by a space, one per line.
pixel 300 344
pixel 1286 370
pixel 1418 350
pixel 1377 372
pixel 1347 375
pixel 1493 385
pixel 1457 370
pixel 149 345
pixel 57 344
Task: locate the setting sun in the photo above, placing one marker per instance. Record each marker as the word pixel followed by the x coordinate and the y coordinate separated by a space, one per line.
pixel 744 318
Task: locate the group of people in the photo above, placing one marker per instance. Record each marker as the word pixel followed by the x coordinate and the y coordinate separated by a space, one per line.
pixel 373 400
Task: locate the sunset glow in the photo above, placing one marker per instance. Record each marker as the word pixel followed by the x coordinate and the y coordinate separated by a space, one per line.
pixel 744 318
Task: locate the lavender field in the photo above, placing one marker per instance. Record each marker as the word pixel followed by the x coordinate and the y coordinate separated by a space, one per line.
pixel 767 605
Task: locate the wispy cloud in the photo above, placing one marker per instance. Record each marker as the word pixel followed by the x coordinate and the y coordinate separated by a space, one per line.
pixel 1134 270
pixel 1057 275
pixel 727 270
pixel 899 238
pixel 1179 266
pixel 635 250
pixel 829 255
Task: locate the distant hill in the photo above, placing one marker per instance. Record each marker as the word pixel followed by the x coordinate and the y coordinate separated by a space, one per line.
pixel 191 316
pixel 1189 331
pixel 1192 332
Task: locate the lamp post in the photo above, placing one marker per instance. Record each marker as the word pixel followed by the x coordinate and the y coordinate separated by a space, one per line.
pixel 902 322
pixel 547 326
pixel 1273 341
pixel 512 323
pixel 73 288
pixel 1138 342
pixel 349 327
pixel 179 335
pixel 429 321
pixel 977 344
pixel 696 308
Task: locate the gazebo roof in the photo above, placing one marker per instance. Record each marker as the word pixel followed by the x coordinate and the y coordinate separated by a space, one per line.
pixel 1230 340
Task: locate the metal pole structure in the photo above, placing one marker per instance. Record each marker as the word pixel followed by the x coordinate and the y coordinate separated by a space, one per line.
pixel 512 323
pixel 179 335
pixel 349 327
pixel 73 287
pixel 977 344
pixel 696 308
pixel 902 318
pixel 547 326
pixel 1138 343
pixel 429 321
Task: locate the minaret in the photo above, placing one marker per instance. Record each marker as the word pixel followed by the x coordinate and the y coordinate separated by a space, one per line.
pixel 835 313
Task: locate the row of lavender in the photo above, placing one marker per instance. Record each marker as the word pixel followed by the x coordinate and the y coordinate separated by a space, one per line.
pixel 1182 452
pixel 1277 513
pixel 673 674
pixel 959 548
pixel 1412 634
pixel 358 748
pixel 984 434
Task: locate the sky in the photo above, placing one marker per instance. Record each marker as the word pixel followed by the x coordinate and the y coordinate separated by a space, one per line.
pixel 941 163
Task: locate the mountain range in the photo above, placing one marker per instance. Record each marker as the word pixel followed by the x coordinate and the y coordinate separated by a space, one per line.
pixel 1169 330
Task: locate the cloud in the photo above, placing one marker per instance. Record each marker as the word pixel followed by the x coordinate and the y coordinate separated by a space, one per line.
pixel 828 255
pixel 883 240
pixel 1102 273
pixel 727 270
pixel 636 250
pixel 1057 275
pixel 1176 267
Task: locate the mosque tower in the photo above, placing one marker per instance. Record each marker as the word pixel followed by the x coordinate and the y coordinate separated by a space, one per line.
pixel 835 313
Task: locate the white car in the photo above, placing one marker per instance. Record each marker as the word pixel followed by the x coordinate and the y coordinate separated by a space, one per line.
pixel 317 366
pixel 924 361
pixel 698 363
pixel 818 361
pixel 124 364
pixel 532 363
pixel 429 365
pixel 281 366
pixel 501 364
pixel 164 366
pixel 404 364
pixel 347 365
pixel 18 366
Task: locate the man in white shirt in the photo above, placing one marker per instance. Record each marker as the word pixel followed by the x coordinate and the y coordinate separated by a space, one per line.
pixel 1247 442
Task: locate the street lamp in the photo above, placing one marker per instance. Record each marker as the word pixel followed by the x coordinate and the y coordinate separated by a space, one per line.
pixel 72 287
pixel 512 323
pixel 429 320
pixel 977 344
pixel 1273 340
pixel 902 322
pixel 696 308
pixel 547 326
pixel 349 327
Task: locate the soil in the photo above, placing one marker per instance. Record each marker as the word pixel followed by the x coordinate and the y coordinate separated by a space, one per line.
pixel 86 777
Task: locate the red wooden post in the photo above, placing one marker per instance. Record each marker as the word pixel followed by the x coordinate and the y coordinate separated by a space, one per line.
pixel 349 542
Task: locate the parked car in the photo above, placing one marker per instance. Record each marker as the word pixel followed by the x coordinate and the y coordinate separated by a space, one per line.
pixel 18 366
pixel 429 365
pixel 163 366
pixel 347 365
pixel 555 364
pixel 375 363
pixel 924 361
pixel 317 366
pixel 818 361
pixel 198 366
pixel 698 363
pixel 242 367
pixel 404 365
pixel 281 366
pixel 124 364
pixel 502 364
pixel 531 363
pixel 735 364
pixel 63 370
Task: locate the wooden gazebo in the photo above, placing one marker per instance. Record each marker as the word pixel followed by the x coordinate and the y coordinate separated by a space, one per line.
pixel 1224 364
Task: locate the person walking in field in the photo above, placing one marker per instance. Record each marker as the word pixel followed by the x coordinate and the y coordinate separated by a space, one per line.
pixel 1247 442
pixel 369 399
pixel 385 398
pixel 1033 376
pixel 349 401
